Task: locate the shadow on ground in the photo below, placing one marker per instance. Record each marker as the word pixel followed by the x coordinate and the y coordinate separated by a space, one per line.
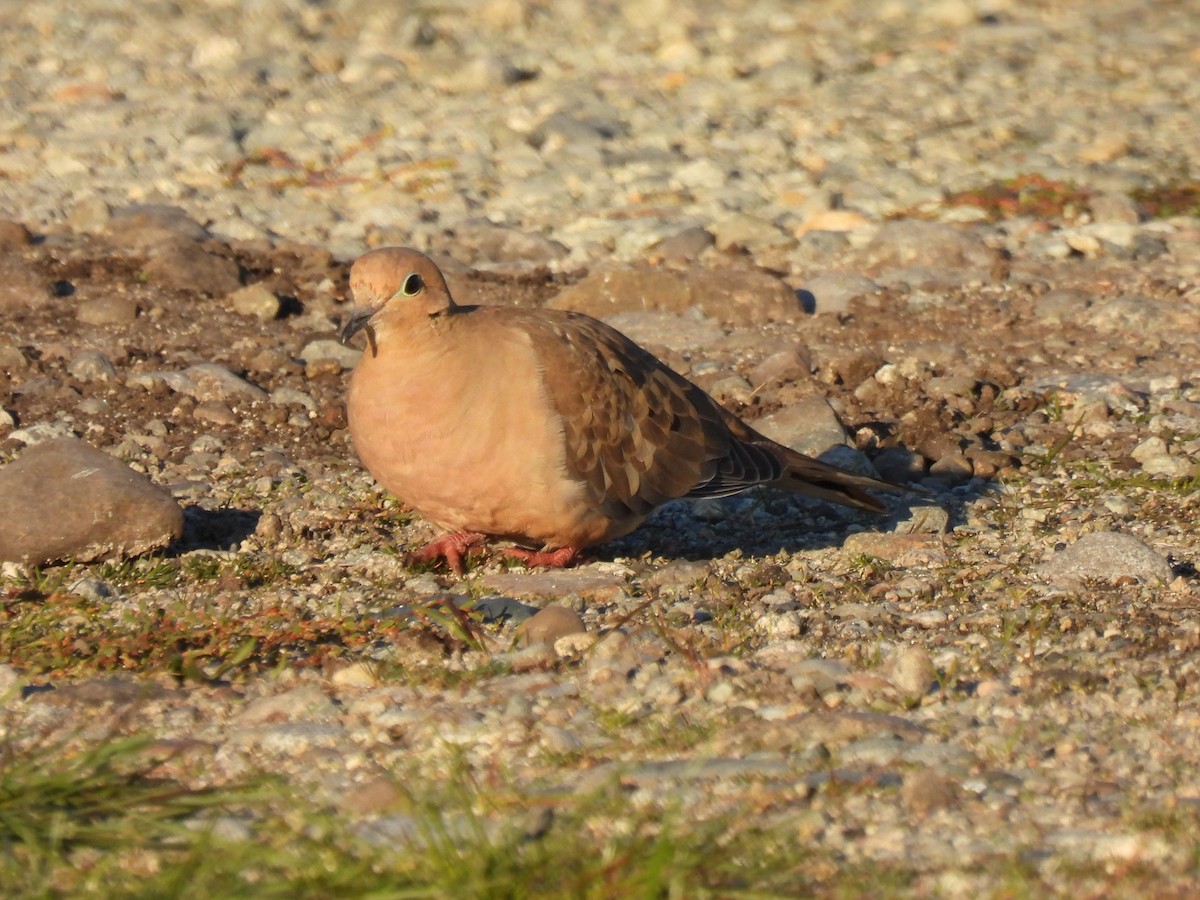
pixel 764 523
pixel 215 529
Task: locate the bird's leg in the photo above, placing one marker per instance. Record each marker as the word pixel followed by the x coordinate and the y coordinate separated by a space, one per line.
pixel 552 559
pixel 450 547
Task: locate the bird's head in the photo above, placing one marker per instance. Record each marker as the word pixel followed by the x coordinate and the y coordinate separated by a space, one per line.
pixel 394 287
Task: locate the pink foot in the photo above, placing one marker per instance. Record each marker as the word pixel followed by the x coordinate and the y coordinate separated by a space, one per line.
pixel 450 547
pixel 554 559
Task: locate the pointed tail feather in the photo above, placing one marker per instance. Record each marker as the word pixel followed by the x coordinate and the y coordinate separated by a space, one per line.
pixel 813 478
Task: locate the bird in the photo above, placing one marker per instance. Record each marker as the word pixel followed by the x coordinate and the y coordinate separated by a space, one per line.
pixel 545 429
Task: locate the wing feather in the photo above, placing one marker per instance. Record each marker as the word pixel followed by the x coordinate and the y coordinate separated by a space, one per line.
pixel 638 434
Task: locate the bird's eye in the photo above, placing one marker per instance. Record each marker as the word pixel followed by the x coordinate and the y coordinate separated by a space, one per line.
pixel 412 285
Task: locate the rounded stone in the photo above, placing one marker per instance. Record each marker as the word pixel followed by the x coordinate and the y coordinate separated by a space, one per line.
pixel 911 672
pixel 548 625
pixel 1108 555
pixel 63 499
pixel 111 309
pixel 92 366
pixel 254 300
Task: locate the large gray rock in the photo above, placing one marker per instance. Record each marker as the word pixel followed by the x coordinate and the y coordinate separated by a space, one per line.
pixel 203 381
pixel 810 426
pixel 66 500
pixel 911 243
pixel 1137 314
pixel 1106 556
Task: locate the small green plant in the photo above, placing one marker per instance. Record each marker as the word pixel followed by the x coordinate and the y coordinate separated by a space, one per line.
pixel 1027 194
pixel 1167 201
pixel 59 805
pixel 202 567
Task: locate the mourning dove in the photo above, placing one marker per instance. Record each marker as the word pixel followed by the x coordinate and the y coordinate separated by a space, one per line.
pixel 544 428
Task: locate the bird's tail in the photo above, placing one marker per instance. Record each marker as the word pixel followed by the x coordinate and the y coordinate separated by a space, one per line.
pixel 813 478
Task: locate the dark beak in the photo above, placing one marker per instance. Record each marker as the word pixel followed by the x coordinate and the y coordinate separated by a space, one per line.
pixel 359 319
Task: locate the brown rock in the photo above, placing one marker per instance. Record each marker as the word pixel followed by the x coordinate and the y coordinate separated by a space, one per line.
pixel 268 360
pixel 683 246
pixel 1063 305
pixel 121 692
pixel 923 518
pixel 986 463
pixel 92 365
pixel 749 296
pixel 331 415
pixel 734 295
pixel 375 796
pixel 832 292
pixel 13 235
pixel 548 625
pixel 12 358
pixel 189 267
pixel 924 791
pixel 66 500
pixel 533 658
pixel 20 284
pixel 216 411
pixel 203 381
pixel 609 291
pixel 899 464
pixel 111 309
pixel 792 364
pixel 1138 314
pixel 848 366
pixel 668 333
pixel 953 467
pixel 911 671
pixel 141 227
pixel 90 214
pixel 1115 207
pixel 832 220
pixel 941 445
pixel 322 368
pixel 255 300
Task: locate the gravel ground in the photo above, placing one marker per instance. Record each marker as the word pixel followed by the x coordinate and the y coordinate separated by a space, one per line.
pixel 968 229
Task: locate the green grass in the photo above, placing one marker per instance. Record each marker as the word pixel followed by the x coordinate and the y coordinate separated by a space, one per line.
pixel 1033 194
pixel 81 820
pixel 64 633
pixel 1181 198
pixel 197 617
pixel 98 822
pixel 133 574
pixel 105 819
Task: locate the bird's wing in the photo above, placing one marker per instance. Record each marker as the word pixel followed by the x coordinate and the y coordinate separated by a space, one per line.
pixel 637 434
